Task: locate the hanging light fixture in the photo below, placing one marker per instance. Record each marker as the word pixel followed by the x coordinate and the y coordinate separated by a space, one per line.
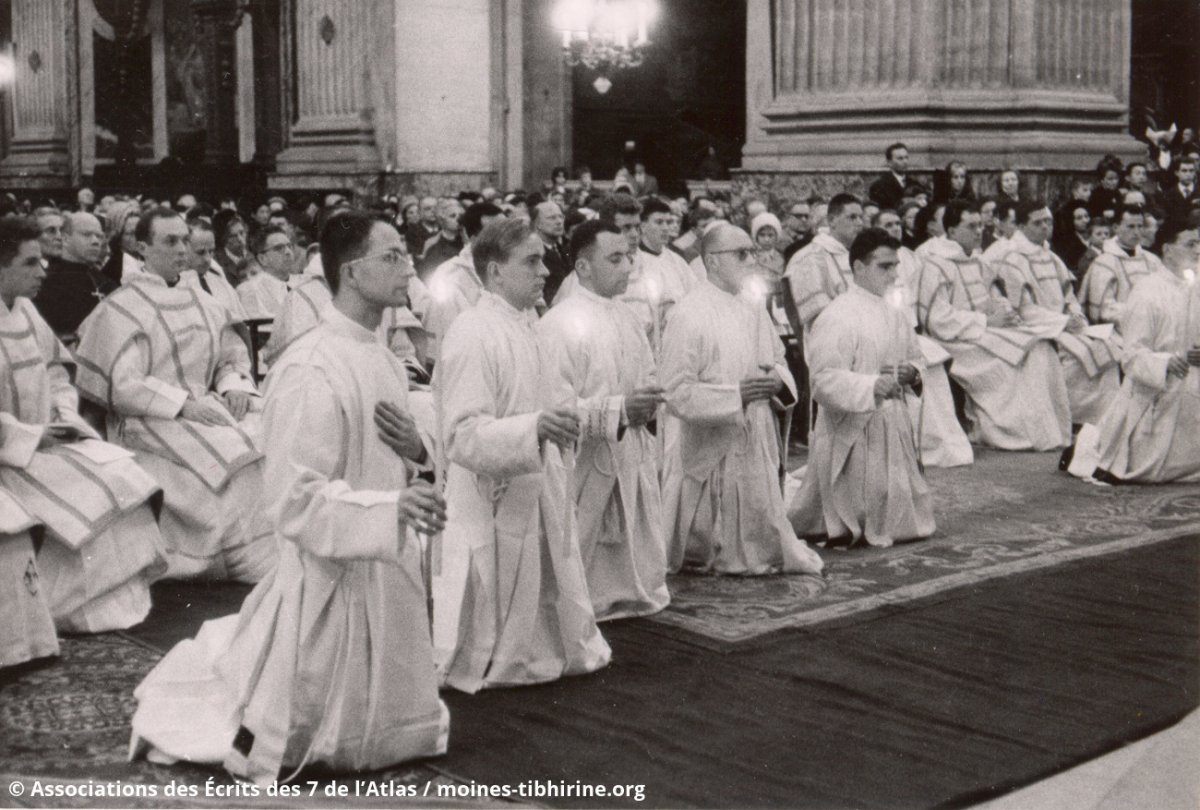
pixel 605 35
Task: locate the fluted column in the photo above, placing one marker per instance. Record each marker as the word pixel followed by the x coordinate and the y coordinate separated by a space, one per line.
pixel 332 47
pixel 1003 81
pixel 216 24
pixel 41 153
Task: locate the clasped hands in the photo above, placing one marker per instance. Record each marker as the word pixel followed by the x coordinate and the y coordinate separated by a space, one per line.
pixel 1001 314
pixel 237 405
pixel 761 386
pixel 1178 364
pixel 891 382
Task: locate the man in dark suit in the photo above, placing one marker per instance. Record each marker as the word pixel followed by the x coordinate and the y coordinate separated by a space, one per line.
pixel 1181 199
pixel 74 283
pixel 548 220
pixel 888 190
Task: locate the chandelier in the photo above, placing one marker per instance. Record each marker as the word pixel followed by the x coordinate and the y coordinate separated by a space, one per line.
pixel 604 35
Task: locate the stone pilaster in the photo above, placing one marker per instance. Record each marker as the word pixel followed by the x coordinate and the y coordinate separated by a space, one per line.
pixel 42 152
pixel 1023 83
pixel 332 48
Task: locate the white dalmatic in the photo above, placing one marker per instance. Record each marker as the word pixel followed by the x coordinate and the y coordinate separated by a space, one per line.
pixel 103 547
pixel 1151 432
pixel 863 481
pixel 512 604
pixel 330 660
pixel 143 353
pixel 722 489
pixel 594 348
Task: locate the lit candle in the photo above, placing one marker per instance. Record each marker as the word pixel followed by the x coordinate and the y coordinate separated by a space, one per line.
pixel 652 293
pixel 642 13
pixel 895 299
pixel 1189 279
pixel 566 39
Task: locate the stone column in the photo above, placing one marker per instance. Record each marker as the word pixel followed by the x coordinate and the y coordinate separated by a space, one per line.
pixel 1024 83
pixel 42 153
pixel 333 54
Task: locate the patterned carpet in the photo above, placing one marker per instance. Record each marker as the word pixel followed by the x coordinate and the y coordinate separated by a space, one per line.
pixel 68 719
pixel 1008 513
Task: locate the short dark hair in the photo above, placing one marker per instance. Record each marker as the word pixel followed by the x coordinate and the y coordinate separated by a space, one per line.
pixel 144 231
pixel 344 239
pixel 1129 166
pixel 472 218
pixel 618 203
pixel 1187 158
pixel 223 220
pixel 585 235
pixel 1027 208
pixel 953 215
pixel 497 241
pixel 654 205
pixel 259 242
pixel 14 232
pixel 1004 208
pixel 879 215
pixel 839 204
pixel 199 224
pixel 887 153
pixel 1099 222
pixel 869 241
pixel 1136 210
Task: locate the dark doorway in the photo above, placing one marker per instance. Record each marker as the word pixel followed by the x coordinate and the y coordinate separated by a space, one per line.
pixel 1165 71
pixel 688 95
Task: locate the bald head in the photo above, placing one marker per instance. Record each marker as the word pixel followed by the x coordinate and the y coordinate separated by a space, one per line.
pixel 82 238
pixel 729 256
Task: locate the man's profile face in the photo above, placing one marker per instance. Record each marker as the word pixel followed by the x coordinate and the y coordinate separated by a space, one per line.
pixel 521 279
pixel 608 265
pixel 203 246
pixel 799 219
pixel 383 273
pixel 630 226
pixel 1149 231
pixel 899 160
pixel 1185 250
pixel 987 212
pixel 1129 230
pixel 1040 226
pixel 877 274
pixel 276 254
pixel 968 232
pixel 891 224
pixel 50 227
pixel 167 253
pixel 1098 235
pixel 1137 176
pixel 235 238
pixel 656 230
pixel 733 260
pixel 550 220
pixel 848 224
pixel 1186 173
pixel 23 276
pixel 1007 226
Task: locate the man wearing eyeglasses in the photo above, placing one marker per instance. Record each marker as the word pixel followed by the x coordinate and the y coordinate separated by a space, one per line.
pixel 262 296
pixel 725 376
pixel 798 227
pixel 166 363
pixel 329 662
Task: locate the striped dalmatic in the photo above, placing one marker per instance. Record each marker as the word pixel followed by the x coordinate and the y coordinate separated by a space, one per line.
pixel 1109 280
pixel 148 348
pixel 968 284
pixel 26 628
pixel 818 273
pixel 85 493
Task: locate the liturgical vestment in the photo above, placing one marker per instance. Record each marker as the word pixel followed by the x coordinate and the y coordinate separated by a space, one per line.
pixel 145 351
pixel 329 661
pixel 513 585
pixel 722 490
pixel 596 351
pixel 862 481
pixel 103 547
pixel 26 627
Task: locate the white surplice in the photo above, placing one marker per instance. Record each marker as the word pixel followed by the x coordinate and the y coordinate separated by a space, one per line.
pixel 513 590
pixel 722 494
pixel 330 659
pixel 454 288
pixel 1110 278
pixel 1016 396
pixel 26 627
pixel 1038 286
pixel 595 349
pixel 863 481
pixel 103 548
pixel 145 351
pixel 218 287
pixel 262 296
pixel 1151 432
pixel 818 274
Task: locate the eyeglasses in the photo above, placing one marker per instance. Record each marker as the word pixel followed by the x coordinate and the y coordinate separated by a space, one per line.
pixel 743 254
pixel 280 248
pixel 392 258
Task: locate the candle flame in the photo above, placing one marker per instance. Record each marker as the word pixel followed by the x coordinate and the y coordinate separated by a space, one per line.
pixel 1189 276
pixel 895 297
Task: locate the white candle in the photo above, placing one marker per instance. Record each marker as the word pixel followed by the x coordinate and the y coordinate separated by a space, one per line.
pixel 1189 279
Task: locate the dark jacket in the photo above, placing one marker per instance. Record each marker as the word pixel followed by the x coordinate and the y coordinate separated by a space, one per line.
pixel 887 191
pixel 70 293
